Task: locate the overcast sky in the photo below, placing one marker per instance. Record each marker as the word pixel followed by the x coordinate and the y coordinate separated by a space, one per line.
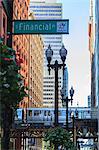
pixel 78 58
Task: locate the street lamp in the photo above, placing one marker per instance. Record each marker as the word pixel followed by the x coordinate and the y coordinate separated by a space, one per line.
pixel 73 121
pixel 56 66
pixel 67 100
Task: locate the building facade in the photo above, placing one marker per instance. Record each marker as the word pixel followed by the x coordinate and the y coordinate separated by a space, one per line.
pixel 3 23
pixel 97 51
pixel 49 10
pixel 97 61
pixel 94 51
pixel 29 52
pixel 21 43
pixel 6 11
pixel 35 70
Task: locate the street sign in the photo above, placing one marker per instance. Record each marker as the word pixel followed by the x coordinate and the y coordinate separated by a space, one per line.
pixel 41 26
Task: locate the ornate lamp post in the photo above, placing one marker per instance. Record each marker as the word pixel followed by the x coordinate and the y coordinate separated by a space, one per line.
pixel 67 100
pixel 56 66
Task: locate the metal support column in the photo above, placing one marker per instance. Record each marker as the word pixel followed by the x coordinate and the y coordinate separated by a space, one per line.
pixel 67 113
pixel 56 93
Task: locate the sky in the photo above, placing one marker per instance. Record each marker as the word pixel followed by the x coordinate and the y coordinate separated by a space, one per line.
pixel 76 43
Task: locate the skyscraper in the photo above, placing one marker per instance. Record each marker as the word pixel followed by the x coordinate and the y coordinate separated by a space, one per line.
pixel 29 48
pixel 21 43
pixel 97 61
pixel 97 51
pixel 94 51
pixel 52 10
pixel 35 70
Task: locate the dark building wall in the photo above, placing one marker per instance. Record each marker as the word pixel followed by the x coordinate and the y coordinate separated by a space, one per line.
pixel 3 23
pixel 93 82
pixel 6 12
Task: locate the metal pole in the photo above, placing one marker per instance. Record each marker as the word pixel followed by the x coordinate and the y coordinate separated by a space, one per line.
pixel 67 113
pixel 73 128
pixel 56 93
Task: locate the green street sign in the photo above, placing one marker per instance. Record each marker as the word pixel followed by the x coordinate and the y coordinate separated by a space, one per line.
pixel 41 26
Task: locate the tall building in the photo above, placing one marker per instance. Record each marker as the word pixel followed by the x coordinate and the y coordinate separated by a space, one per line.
pixel 29 50
pixel 97 61
pixel 3 23
pixel 94 51
pixel 45 10
pixel 97 51
pixel 35 70
pixel 6 8
pixel 21 43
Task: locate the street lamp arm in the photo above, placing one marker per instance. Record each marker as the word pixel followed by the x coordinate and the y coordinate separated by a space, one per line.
pixel 56 65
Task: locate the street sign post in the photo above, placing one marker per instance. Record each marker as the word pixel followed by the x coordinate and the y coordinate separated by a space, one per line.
pixel 41 26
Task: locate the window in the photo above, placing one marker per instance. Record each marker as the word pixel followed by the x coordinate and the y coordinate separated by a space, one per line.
pixel 15 10
pixel 36 113
pixel 38 14
pixel 40 10
pixel 45 114
pixel 48 113
pixel 4 24
pixel 30 113
pixel 59 113
pixel 45 7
